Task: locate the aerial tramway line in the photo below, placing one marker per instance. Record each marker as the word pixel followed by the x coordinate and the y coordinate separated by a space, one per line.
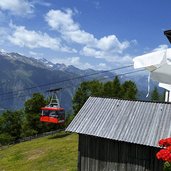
pixel 53 113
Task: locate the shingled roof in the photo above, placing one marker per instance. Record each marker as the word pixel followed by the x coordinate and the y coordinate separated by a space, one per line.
pixel 123 120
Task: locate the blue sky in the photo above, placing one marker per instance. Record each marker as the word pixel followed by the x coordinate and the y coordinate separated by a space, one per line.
pixel 85 33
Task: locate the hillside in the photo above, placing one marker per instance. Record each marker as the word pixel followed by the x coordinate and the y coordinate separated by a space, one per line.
pixel 51 153
pixel 18 72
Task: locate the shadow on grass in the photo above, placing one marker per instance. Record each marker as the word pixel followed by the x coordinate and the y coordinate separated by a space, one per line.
pixel 61 135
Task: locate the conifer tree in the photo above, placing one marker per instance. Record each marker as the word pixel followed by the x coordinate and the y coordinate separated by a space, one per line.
pixel 85 90
pixel 32 112
pixel 10 125
pixel 155 95
pixel 107 89
pixel 128 90
pixel 116 88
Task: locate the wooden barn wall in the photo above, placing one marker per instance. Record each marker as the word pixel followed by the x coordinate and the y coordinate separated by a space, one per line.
pixel 99 154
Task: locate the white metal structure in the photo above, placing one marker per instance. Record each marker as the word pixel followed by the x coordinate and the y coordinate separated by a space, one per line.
pixel 159 65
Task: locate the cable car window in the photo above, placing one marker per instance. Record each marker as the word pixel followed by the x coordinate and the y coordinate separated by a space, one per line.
pixel 53 113
pixel 61 114
pixel 45 112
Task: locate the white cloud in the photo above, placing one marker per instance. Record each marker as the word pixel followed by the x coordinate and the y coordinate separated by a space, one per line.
pixel 2 17
pixel 32 39
pixel 109 56
pixel 80 37
pixel 102 66
pixel 87 51
pixel 2 50
pixel 126 59
pixel 75 61
pixel 97 4
pixel 42 3
pixel 37 55
pixel 112 42
pixel 17 7
pixel 160 47
pixel 3 34
pixel 62 21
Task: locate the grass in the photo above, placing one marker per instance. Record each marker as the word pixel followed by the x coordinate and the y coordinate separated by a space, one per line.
pixel 51 153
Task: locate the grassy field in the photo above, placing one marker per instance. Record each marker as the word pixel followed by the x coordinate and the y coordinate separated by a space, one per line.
pixel 52 153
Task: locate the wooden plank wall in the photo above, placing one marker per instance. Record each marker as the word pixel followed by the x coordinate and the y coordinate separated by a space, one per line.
pixel 99 154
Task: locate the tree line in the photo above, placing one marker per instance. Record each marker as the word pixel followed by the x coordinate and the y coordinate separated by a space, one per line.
pixel 25 122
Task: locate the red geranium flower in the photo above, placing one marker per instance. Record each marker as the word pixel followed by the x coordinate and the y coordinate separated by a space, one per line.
pixel 165 154
pixel 165 142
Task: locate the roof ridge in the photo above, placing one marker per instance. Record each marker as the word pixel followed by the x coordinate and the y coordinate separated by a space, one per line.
pixel 138 100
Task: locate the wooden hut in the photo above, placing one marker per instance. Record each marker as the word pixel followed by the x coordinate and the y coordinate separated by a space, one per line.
pixel 120 135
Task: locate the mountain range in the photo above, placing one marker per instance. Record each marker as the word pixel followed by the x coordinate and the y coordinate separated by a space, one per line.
pixel 21 76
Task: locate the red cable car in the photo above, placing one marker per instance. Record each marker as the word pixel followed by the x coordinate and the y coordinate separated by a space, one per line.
pixel 53 113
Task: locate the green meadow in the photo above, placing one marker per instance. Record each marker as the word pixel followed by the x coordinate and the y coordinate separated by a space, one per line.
pixel 51 153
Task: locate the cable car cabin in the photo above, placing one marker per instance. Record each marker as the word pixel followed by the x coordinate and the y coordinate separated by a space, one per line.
pixel 53 115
